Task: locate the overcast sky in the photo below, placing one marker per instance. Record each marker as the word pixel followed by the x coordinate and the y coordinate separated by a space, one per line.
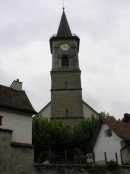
pixel 104 30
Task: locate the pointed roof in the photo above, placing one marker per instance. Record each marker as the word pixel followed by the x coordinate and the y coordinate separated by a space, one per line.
pixel 64 29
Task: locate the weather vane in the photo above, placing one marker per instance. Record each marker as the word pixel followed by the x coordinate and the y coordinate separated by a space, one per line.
pixel 63 5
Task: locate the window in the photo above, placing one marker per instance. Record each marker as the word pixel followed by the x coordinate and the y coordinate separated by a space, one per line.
pixel 66 85
pixel 67 112
pixel 65 61
pixel 108 133
pixel 1 120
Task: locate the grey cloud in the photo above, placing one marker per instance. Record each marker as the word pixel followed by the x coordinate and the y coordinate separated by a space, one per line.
pixel 103 27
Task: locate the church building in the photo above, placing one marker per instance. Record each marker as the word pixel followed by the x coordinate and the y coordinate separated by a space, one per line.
pixel 66 91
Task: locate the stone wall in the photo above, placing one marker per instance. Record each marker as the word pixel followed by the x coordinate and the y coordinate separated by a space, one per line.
pixel 71 77
pixel 15 158
pixel 77 169
pixel 18 159
pixel 70 100
pixel 5 151
pixel 125 169
pixel 22 159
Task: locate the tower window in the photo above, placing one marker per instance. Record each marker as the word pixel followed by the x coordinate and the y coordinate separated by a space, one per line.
pixel 1 120
pixel 66 85
pixel 67 112
pixel 65 61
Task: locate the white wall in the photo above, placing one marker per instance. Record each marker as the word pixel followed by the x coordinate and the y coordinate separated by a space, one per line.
pixel 20 124
pixel 87 112
pixel 47 112
pixel 110 145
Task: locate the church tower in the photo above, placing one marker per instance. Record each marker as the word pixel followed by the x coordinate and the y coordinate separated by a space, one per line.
pixel 66 91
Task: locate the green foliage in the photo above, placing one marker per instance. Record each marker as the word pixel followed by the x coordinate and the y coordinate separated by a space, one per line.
pixel 47 132
pixel 98 169
pixel 104 169
pixel 112 166
pixel 84 131
pixel 103 115
pixel 39 130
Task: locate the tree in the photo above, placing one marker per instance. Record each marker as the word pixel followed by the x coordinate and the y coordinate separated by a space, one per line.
pixel 40 130
pixel 56 133
pixel 84 131
pixel 49 132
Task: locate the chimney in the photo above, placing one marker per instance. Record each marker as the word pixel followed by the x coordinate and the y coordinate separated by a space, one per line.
pixel 16 85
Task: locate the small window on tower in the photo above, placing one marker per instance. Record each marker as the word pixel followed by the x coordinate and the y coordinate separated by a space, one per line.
pixel 65 61
pixel 1 120
pixel 67 112
pixel 66 85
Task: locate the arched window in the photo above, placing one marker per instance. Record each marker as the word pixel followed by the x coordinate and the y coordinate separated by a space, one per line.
pixel 1 120
pixel 65 61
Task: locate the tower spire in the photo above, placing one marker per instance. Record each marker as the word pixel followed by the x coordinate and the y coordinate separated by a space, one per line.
pixel 64 29
pixel 63 6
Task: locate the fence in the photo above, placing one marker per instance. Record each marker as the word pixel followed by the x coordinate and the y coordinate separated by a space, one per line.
pixel 59 155
pixel 62 156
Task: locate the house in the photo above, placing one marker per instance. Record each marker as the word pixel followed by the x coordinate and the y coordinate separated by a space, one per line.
pixel 16 149
pixel 111 141
pixel 88 111
pixel 126 118
pixel 16 112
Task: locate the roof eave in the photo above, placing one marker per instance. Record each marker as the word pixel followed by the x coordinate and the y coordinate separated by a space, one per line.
pixel 94 139
pixel 13 108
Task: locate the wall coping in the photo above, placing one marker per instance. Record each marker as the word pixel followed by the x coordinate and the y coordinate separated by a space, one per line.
pixel 6 130
pixel 63 165
pixel 22 144
pixel 75 165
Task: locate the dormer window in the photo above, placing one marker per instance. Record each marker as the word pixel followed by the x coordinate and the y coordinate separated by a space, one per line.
pixel 65 61
pixel 1 120
pixel 108 133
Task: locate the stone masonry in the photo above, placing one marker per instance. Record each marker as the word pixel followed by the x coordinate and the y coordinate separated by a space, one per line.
pixel 14 159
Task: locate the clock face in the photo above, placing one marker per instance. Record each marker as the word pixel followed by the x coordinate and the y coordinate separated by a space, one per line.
pixel 64 47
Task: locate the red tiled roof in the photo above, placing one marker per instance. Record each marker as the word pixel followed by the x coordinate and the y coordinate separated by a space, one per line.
pixel 120 128
pixel 14 99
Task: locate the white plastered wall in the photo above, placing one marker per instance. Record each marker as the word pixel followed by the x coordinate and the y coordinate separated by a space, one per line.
pixel 46 112
pixel 87 112
pixel 21 125
pixel 110 145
